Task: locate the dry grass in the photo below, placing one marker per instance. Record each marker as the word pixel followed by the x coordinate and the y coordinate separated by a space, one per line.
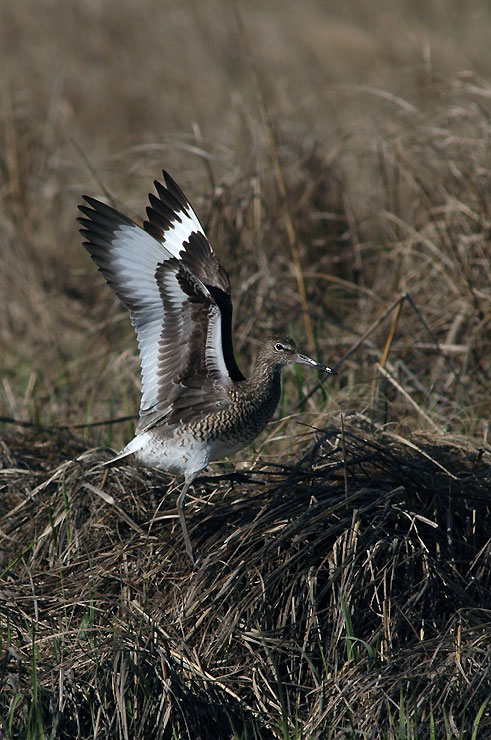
pixel 327 603
pixel 329 596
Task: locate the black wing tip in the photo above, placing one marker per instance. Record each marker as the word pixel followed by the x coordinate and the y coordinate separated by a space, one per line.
pixel 86 211
pixel 85 225
pixel 95 205
pixel 170 191
pixel 83 208
pixel 164 206
pixel 101 213
pixel 170 182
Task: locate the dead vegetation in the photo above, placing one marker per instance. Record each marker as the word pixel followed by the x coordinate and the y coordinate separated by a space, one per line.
pixel 329 596
pixel 343 587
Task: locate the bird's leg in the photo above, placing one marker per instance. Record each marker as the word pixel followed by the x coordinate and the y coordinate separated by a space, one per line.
pixel 182 518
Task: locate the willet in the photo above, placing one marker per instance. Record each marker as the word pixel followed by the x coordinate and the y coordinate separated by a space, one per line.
pixel 196 406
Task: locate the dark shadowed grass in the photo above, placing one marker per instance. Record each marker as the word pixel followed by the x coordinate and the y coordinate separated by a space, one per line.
pixel 345 596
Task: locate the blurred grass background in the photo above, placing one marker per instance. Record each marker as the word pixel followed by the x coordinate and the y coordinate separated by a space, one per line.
pixel 381 120
pixel 380 114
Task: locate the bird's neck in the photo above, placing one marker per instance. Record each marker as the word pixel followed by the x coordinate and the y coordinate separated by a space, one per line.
pixel 265 380
pixel 258 397
pixel 265 370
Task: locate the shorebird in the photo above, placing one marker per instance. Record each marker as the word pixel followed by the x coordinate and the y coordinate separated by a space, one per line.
pixel 196 405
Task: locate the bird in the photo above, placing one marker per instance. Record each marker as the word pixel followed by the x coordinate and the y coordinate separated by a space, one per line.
pixel 196 405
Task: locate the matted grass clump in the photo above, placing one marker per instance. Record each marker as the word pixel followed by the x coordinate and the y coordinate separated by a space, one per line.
pixel 346 596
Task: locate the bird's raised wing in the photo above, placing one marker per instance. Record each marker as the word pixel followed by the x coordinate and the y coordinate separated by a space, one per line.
pixel 170 219
pixel 192 377
pixel 140 265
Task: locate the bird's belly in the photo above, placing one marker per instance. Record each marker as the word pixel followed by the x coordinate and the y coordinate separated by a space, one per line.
pixel 183 454
pixel 180 455
pixel 189 448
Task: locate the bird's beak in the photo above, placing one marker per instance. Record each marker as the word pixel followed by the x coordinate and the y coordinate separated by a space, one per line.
pixel 304 360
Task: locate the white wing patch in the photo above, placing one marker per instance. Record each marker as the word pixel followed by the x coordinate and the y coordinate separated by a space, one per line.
pixel 178 233
pixel 214 359
pixel 134 258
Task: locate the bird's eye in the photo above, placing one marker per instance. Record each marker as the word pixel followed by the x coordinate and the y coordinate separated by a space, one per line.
pixel 279 347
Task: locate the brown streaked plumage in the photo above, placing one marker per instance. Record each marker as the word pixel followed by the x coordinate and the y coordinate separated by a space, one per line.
pixel 196 406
